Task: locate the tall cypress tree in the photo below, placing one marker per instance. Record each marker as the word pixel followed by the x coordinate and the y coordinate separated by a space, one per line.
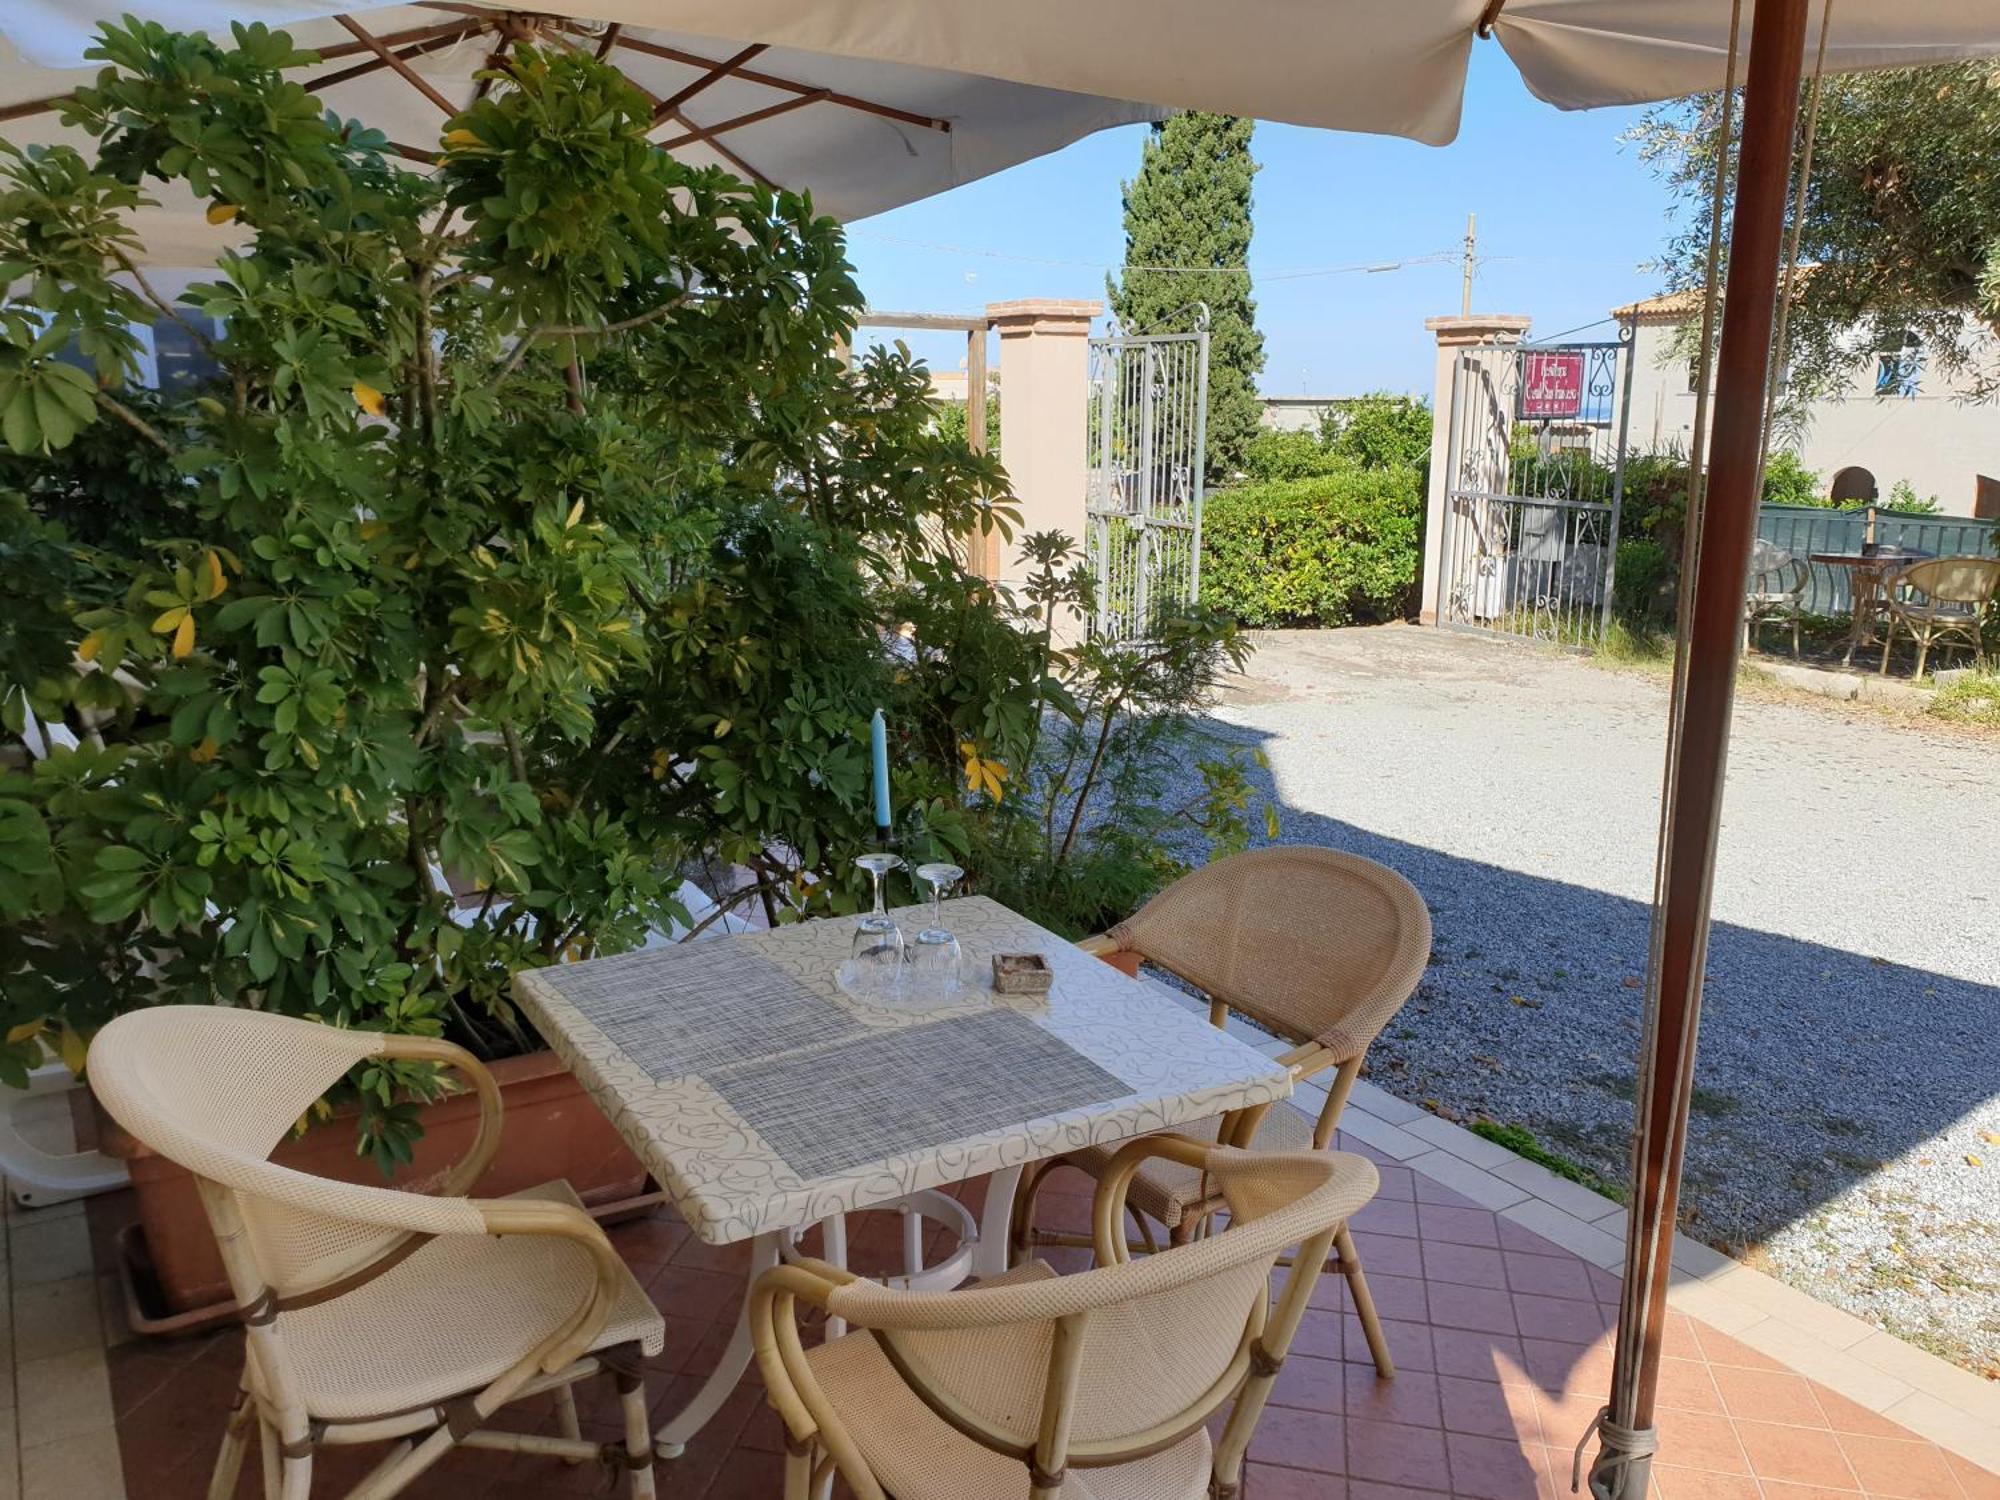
pixel 1190 207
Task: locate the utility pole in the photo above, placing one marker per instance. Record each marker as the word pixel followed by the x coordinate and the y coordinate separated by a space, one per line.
pixel 1471 259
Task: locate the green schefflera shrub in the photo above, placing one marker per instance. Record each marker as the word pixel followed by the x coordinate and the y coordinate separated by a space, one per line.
pixel 1334 549
pixel 524 551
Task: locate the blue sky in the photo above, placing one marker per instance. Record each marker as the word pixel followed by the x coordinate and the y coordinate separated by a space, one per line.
pixel 1567 214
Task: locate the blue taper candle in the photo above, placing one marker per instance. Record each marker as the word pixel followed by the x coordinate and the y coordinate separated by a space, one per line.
pixel 878 748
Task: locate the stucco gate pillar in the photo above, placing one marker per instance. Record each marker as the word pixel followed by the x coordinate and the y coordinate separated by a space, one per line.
pixel 1044 416
pixel 1484 424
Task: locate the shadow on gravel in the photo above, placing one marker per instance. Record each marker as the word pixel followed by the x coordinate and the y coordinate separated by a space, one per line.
pixel 1816 1067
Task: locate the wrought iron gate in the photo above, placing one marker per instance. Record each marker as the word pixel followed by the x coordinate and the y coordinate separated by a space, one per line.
pixel 1535 480
pixel 1148 427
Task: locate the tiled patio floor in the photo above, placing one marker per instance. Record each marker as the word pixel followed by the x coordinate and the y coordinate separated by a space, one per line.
pixel 1501 1336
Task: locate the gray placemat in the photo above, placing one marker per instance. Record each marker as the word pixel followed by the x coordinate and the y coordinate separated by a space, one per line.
pixel 875 1096
pixel 699 1007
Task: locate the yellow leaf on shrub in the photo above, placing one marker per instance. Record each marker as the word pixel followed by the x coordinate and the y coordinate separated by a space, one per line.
pixel 26 1031
pixel 221 213
pixel 72 1049
pixel 169 619
pixel 205 752
pixel 722 728
pixel 216 582
pixel 458 138
pixel 184 637
pixel 369 399
pixel 92 644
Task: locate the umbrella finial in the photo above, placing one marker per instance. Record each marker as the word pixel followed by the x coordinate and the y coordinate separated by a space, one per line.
pixel 1488 16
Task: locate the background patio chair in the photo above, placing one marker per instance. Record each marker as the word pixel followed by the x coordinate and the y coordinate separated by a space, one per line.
pixel 372 1314
pixel 1777 586
pixel 1321 947
pixel 1098 1384
pixel 1941 600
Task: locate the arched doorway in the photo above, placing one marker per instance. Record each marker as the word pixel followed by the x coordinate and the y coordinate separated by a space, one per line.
pixel 1854 485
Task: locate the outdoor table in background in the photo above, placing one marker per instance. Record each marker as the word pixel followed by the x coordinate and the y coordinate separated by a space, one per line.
pixel 1868 573
pixel 766 1100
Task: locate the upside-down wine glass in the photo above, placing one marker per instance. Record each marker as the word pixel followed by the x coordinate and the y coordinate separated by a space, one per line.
pixel 934 961
pixel 878 941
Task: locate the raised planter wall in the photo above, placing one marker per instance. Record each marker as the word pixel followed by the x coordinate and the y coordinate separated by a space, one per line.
pixel 551 1129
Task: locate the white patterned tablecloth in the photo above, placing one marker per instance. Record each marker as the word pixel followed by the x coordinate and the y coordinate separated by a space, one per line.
pixel 764 1098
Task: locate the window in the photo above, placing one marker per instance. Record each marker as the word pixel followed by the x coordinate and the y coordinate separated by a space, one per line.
pixel 1899 361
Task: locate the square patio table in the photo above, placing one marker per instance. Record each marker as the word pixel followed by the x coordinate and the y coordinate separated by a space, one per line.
pixel 765 1099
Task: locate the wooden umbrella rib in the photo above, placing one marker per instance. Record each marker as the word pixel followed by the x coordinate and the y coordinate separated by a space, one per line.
pixel 609 40
pixel 402 69
pixel 437 43
pixel 707 80
pixel 339 50
pixel 708 133
pixel 724 152
pixel 29 107
pixel 771 80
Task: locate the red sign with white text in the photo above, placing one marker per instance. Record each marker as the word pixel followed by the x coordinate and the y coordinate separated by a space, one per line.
pixel 1551 386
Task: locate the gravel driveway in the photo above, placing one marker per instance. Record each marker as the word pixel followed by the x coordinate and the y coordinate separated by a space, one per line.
pixel 1847 1128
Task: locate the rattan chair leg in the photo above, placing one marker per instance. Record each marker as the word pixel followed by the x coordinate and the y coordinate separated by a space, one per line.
pixel 1888 640
pixel 298 1479
pixel 638 1438
pixel 235 1441
pixel 566 1420
pixel 1923 650
pixel 798 1472
pixel 1364 1303
pixel 1021 1236
pixel 267 1438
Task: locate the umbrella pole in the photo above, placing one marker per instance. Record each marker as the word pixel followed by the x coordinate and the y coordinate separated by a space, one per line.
pixel 1698 754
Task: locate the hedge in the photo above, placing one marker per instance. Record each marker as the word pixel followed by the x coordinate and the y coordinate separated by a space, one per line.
pixel 1334 549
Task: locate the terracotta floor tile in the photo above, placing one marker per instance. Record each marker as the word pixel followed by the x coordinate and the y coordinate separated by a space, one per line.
pixel 1296 1439
pixel 1557 1365
pixel 1480 1356
pixel 1397 1182
pixel 1412 1397
pixel 1688 1385
pixel 1720 1349
pixel 1897 1468
pixel 1673 1482
pixel 1319 1334
pixel 1269 1482
pixel 1468 1265
pixel 1391 1453
pixel 1800 1455
pixel 1396 1254
pixel 1480 1308
pixel 748 1475
pixel 1460 1226
pixel 1978 1483
pixel 1778 1489
pixel 1560 1318
pixel 1429 1190
pixel 1514 1237
pixel 1395 1296
pixel 1768 1396
pixel 1311 1384
pixel 1547 1275
pixel 1484 1468
pixel 1387 1216
pixel 1368 1489
pixel 1484 1409
pixel 1409 1343
pixel 1843 1415
pixel 1700 1440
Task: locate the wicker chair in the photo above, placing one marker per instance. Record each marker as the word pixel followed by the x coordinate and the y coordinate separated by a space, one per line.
pixel 1320 946
pixel 1095 1386
pixel 1939 600
pixel 1778 582
pixel 371 1314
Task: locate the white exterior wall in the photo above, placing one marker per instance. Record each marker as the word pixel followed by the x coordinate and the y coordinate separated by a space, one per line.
pixel 1940 443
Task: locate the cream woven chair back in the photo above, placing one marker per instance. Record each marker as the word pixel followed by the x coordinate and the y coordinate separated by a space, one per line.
pixel 216 1089
pixel 1161 1334
pixel 1954 580
pixel 1315 943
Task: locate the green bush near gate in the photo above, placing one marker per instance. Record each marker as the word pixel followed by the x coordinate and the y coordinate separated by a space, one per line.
pixel 1342 548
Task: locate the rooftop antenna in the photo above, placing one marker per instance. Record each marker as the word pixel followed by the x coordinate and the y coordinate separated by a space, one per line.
pixel 1471 259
